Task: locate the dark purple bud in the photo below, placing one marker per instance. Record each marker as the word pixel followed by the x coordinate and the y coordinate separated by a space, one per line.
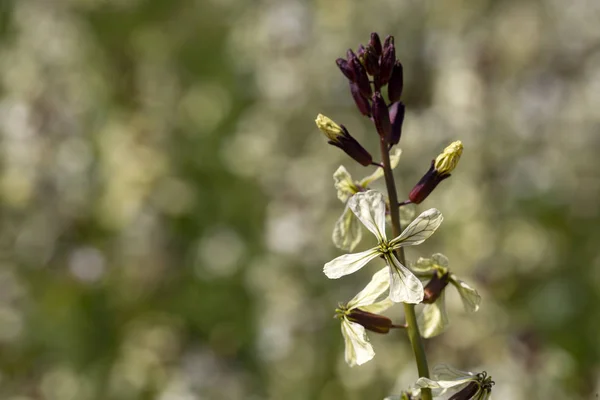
pixel 428 182
pixel 467 393
pixel 375 43
pixel 372 322
pixel 381 117
pixel 345 68
pixel 352 147
pixel 371 61
pixel 397 119
pixel 361 101
pixel 360 53
pixel 396 83
pixel 434 288
pixel 360 75
pixel 388 59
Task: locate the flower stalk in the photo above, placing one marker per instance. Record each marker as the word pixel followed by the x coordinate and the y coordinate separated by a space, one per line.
pixel 412 327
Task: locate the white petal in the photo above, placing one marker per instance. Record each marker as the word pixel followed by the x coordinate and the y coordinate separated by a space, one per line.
pixel 369 207
pixel 469 296
pixel 439 387
pixel 423 265
pixel 380 306
pixel 449 373
pixel 358 348
pixel 378 174
pixel 349 263
pixel 347 231
pixel 433 320
pixel 380 283
pixel 342 180
pixel 404 286
pixel 440 259
pixel 420 229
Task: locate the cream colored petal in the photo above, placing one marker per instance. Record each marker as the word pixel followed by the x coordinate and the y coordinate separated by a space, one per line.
pixel 380 306
pixel 420 229
pixel 433 320
pixel 440 387
pixel 369 207
pixel 405 287
pixel 423 265
pixel 342 180
pixel 407 214
pixel 440 259
pixel 358 348
pixel 349 263
pixel 449 373
pixel 380 283
pixel 347 231
pixel 378 173
pixel 469 296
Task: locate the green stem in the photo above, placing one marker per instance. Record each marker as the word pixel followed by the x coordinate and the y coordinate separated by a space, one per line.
pixel 409 309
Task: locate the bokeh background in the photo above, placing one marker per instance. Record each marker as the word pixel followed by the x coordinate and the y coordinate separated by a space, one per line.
pixel 166 201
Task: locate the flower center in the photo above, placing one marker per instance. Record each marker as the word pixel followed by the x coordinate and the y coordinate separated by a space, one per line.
pixel 385 248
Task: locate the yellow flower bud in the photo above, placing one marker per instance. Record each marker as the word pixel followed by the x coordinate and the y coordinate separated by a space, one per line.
pixel 332 130
pixel 447 161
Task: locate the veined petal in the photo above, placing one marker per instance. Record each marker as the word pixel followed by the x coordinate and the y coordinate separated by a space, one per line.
pixel 358 348
pixel 380 282
pixel 369 208
pixel 420 229
pixel 346 232
pixel 433 320
pixel 423 265
pixel 380 306
pixel 349 263
pixel 342 180
pixel 378 174
pixel 469 296
pixel 440 387
pixel 449 373
pixel 440 259
pixel 405 287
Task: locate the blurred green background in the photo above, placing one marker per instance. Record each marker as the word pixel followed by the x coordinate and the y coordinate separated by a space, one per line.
pixel 166 201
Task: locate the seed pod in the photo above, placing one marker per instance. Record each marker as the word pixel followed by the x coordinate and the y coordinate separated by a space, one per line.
pixel 372 322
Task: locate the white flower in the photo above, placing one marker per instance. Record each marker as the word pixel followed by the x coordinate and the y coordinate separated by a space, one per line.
pixel 346 232
pixel 466 385
pixel 358 348
pixel 369 208
pixel 434 319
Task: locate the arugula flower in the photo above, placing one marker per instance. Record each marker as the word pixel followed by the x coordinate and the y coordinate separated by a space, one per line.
pixel 468 386
pixel 347 232
pixel 369 208
pixel 359 314
pixel 434 319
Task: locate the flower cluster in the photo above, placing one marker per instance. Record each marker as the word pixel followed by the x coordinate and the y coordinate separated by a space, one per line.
pixel 369 70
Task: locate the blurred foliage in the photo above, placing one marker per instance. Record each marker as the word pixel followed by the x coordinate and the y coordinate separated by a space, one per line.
pixel 167 203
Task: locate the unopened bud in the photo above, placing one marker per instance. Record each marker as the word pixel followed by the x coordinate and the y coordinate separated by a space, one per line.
pixel 396 83
pixel 435 287
pixel 361 102
pixel 397 119
pixel 440 169
pixel 381 117
pixel 371 61
pixel 375 43
pixel 372 322
pixel 447 161
pixel 360 74
pixel 339 136
pixel 388 59
pixel 345 68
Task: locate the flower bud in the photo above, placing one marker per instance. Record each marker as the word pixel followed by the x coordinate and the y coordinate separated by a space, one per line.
pixel 345 68
pixel 360 74
pixel 396 83
pixel 375 43
pixel 372 322
pixel 397 119
pixel 434 288
pixel 381 117
pixel 339 136
pixel 388 59
pixel 361 102
pixel 440 169
pixel 371 61
pixel 360 53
